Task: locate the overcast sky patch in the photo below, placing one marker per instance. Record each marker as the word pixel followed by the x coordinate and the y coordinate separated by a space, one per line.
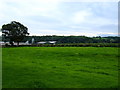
pixel 62 18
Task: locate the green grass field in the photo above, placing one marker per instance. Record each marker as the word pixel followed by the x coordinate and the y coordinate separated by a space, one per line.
pixel 60 67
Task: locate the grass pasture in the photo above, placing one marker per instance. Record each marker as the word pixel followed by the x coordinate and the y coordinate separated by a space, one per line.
pixel 60 67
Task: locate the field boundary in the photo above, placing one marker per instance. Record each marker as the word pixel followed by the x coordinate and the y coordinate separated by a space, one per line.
pixel 68 45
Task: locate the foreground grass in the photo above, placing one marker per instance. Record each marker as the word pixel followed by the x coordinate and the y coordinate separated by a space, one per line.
pixel 60 67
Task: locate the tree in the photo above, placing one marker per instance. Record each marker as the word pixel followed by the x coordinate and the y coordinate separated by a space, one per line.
pixel 14 31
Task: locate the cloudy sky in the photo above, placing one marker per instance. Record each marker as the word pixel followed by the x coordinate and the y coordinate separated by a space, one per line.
pixel 58 17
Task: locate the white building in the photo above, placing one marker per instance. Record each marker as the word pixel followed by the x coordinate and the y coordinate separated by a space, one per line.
pixel 20 43
pixel 52 42
pixel 45 42
pixel 3 43
pixel 41 42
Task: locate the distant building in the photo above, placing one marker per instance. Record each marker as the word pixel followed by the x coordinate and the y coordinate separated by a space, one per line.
pixel 52 42
pixel 47 42
pixel 27 43
pixel 33 41
pixel 41 42
pixel 3 43
pixel 20 43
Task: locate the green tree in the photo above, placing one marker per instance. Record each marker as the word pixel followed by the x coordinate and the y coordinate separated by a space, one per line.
pixel 14 31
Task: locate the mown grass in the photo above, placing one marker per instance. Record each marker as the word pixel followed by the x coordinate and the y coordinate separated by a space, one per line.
pixel 60 67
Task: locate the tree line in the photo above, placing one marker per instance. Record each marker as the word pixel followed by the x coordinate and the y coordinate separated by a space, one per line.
pixel 73 39
pixel 17 32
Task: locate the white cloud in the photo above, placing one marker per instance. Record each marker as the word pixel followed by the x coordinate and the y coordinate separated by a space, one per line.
pixel 81 16
pixel 21 10
pixel 74 33
pixel 91 0
pixel 31 7
pixel 61 33
pixel 47 18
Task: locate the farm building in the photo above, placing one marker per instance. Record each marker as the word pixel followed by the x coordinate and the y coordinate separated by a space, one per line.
pixel 47 42
pixel 27 43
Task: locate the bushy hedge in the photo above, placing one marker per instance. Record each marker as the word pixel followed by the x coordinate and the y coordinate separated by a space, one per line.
pixel 71 45
pixel 82 45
